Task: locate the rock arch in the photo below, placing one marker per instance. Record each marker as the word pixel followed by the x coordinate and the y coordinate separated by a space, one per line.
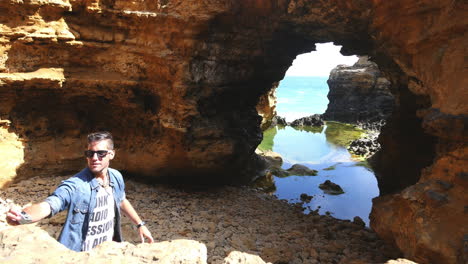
pixel 178 82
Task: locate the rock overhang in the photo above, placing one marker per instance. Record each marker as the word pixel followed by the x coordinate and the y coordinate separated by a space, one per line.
pixel 178 82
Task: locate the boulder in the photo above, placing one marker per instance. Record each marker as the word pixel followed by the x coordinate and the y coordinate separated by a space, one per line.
pixel 301 170
pixel 21 245
pixel 313 120
pixel 331 188
pixel 236 257
pixel 305 197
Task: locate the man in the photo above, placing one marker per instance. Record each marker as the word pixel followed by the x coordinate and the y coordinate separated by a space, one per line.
pixel 95 198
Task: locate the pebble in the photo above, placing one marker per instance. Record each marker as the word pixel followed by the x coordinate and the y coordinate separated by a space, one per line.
pixel 227 219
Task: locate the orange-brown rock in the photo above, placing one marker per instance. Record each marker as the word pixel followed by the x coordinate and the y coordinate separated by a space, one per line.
pixel 177 82
pixel 30 244
pixel 266 107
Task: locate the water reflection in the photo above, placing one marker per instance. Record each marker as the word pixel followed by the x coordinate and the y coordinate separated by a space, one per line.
pixel 322 149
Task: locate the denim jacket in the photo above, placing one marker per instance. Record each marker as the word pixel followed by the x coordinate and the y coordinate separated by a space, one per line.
pixel 78 195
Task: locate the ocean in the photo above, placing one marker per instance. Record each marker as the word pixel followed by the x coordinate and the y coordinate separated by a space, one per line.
pixel 322 149
pixel 300 96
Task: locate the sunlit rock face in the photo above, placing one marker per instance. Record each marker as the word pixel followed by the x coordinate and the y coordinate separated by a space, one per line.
pixel 359 94
pixel 20 245
pixel 266 108
pixel 177 82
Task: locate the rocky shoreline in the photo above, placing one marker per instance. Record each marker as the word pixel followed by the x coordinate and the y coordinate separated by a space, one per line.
pixel 250 223
pixel 364 147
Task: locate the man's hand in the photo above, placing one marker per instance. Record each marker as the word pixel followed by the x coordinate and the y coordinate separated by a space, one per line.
pixel 34 212
pixel 129 211
pixel 145 233
pixel 13 216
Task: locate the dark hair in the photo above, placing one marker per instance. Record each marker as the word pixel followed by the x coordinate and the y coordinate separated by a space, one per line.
pixel 101 135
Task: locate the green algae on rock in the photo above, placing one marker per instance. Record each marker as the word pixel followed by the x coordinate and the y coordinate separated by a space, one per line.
pixel 332 167
pixel 268 136
pixel 342 134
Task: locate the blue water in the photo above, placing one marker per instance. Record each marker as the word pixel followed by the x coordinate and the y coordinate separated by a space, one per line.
pixel 320 151
pixel 300 96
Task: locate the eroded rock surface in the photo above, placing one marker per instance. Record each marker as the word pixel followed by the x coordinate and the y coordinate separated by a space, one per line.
pixel 30 244
pixel 359 94
pixel 313 120
pixel 224 220
pixel 177 82
pixel 266 108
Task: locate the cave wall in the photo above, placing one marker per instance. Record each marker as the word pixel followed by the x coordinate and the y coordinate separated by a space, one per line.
pixel 177 82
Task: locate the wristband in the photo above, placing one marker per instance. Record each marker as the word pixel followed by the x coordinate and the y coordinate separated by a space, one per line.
pixel 142 223
pixel 25 218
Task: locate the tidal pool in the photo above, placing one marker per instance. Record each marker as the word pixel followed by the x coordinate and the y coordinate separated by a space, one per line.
pixel 323 149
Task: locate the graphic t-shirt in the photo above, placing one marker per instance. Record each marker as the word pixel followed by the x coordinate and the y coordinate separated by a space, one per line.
pixel 101 220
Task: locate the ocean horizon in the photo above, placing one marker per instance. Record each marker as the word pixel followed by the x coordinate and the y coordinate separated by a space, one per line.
pixel 300 96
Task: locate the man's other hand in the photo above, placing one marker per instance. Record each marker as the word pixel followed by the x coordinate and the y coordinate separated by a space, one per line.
pixel 145 233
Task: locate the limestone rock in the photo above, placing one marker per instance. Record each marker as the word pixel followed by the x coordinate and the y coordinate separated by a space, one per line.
pixel 236 257
pixel 30 244
pixel 266 108
pixel 359 94
pixel 194 221
pixel 273 159
pixel 178 82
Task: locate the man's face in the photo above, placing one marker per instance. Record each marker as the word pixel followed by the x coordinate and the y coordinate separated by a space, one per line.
pixel 96 164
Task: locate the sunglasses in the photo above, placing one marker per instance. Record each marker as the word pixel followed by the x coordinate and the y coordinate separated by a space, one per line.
pixel 100 153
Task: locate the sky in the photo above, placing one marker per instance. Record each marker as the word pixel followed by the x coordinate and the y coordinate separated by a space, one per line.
pixel 320 62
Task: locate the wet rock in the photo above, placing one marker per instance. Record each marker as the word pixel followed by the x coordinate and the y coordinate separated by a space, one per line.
pixel 301 170
pixel 331 188
pixel 273 159
pixel 306 198
pixel 279 172
pixel 365 146
pixel 313 120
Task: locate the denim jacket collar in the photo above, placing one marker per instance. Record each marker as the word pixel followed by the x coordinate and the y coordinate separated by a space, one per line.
pixel 94 182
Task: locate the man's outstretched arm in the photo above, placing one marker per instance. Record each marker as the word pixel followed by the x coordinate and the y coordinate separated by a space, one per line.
pixel 129 211
pixel 36 212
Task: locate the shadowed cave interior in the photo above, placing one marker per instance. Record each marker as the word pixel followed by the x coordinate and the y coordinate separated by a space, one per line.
pixel 179 84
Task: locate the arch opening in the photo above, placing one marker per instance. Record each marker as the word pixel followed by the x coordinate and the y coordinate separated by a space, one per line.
pixel 325 146
pixel 204 68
